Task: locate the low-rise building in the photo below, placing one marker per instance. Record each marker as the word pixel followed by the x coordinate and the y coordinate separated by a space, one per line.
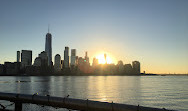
pixel 12 68
pixel 2 69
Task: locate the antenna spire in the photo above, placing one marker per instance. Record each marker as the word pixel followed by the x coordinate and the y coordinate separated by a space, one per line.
pixel 48 28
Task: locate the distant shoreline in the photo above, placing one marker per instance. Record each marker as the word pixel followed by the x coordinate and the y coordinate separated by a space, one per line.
pixel 97 75
pixel 82 74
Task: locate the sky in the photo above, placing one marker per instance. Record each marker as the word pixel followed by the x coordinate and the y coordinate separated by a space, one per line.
pixel 154 32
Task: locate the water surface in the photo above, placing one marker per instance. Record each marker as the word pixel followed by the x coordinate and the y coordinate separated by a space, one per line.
pixel 169 92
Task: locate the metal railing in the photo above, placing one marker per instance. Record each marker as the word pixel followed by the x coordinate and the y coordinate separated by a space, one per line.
pixel 69 103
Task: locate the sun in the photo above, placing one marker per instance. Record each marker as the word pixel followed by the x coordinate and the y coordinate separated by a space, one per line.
pixel 104 59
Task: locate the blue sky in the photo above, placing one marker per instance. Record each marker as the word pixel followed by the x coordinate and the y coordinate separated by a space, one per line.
pixel 154 32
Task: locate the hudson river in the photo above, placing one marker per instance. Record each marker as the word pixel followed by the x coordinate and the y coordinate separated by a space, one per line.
pixel 170 92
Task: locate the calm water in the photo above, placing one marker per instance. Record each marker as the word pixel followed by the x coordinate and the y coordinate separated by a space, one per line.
pixel 169 92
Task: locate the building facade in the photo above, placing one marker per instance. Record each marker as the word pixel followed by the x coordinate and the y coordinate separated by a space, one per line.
pixel 37 61
pixel 128 69
pixel 18 56
pixel 66 57
pixel 136 67
pixel 86 58
pixel 44 58
pixel 26 58
pixel 48 48
pixel 57 65
pixel 73 57
pixel 12 68
pixel 120 66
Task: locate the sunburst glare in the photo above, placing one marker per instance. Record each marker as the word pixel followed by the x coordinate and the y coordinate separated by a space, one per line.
pixel 104 59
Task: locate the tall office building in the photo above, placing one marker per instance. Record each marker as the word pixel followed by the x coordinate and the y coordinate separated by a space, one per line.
pixel 121 67
pixel 48 47
pixel 18 56
pixel 57 65
pixel 86 58
pixel 136 67
pixel 66 57
pixel 128 69
pixel 73 57
pixel 26 58
pixel 80 63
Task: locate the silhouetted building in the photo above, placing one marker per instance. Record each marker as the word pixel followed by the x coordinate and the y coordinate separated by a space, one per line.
pixel 44 59
pixel 48 48
pixel 136 67
pixel 40 66
pixel 111 69
pixel 35 70
pixel 66 57
pixel 37 61
pixel 12 68
pixel 128 69
pixel 81 64
pixel 87 68
pixel 86 58
pixel 76 60
pixel 26 58
pixel 73 58
pixel 80 61
pixel 2 69
pixel 95 62
pixel 57 65
pixel 18 56
pixel 120 66
pixel 62 64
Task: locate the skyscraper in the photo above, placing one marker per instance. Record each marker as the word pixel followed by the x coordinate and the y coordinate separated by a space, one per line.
pixel 86 58
pixel 121 68
pixel 48 47
pixel 26 58
pixel 136 67
pixel 18 56
pixel 66 57
pixel 73 57
pixel 128 69
pixel 57 65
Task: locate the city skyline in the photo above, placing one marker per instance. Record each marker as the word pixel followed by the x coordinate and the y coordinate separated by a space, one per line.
pixel 157 38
